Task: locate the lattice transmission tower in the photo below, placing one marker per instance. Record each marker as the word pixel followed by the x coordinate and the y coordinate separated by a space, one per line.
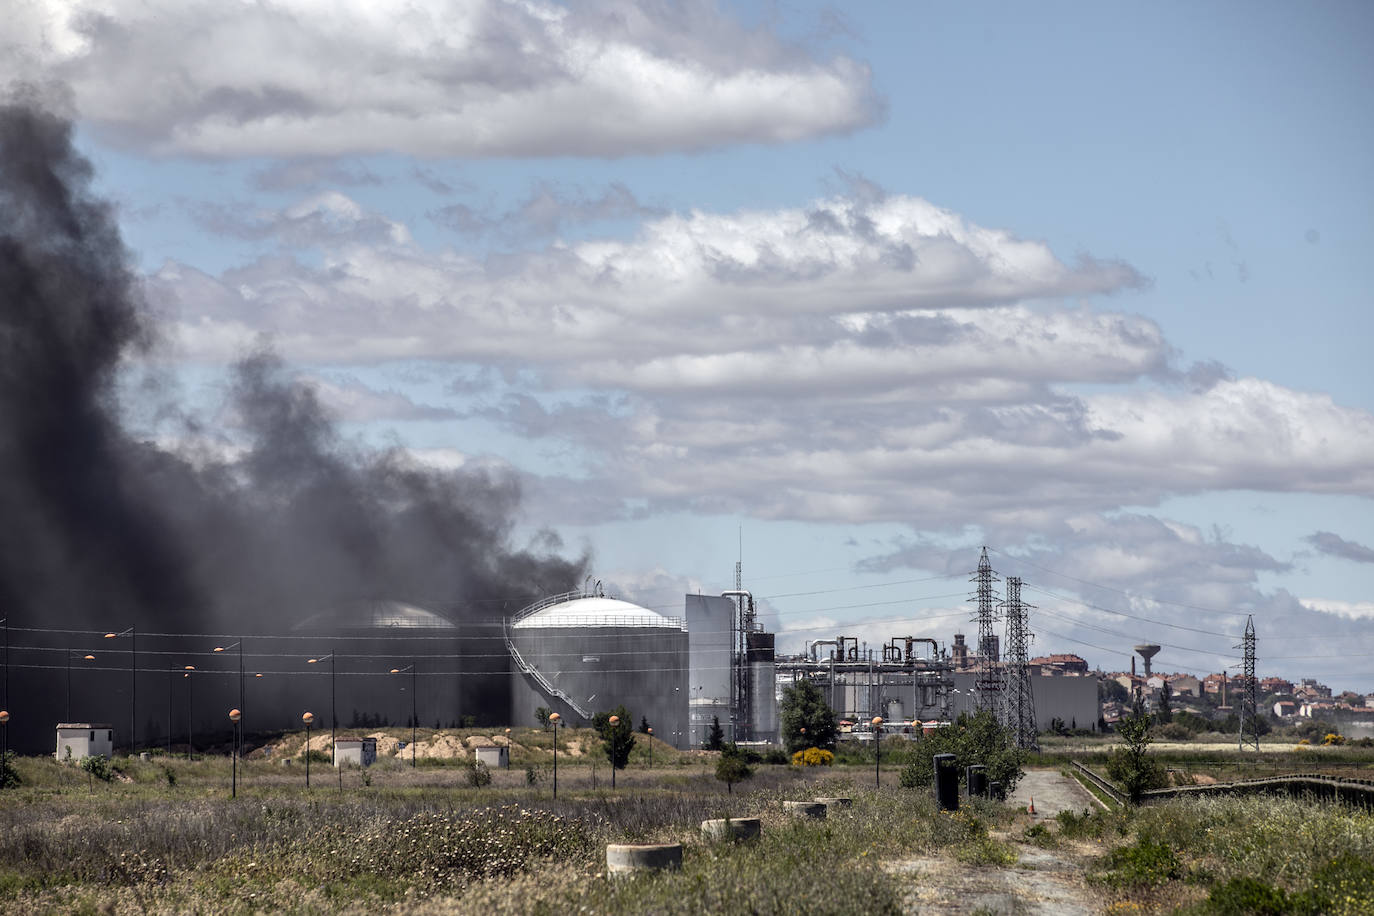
pixel 1020 701
pixel 1249 690
pixel 988 682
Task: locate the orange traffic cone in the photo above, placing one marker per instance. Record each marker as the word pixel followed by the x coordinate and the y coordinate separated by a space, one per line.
pixel 1031 808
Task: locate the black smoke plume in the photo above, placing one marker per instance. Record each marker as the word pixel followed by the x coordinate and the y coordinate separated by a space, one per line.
pixel 99 529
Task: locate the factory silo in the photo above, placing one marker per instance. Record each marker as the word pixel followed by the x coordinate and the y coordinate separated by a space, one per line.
pixel 581 653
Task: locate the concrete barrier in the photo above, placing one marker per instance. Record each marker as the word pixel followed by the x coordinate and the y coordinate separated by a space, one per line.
pixel 732 829
pixel 804 809
pixel 626 859
pixel 835 801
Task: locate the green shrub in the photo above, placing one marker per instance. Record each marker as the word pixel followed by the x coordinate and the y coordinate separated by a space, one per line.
pixel 478 775
pixel 915 776
pixel 976 739
pixel 1245 896
pixel 1342 887
pixel 1144 863
pixel 9 776
pixel 98 766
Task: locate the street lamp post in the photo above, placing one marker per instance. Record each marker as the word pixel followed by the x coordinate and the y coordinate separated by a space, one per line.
pixel 170 670
pixel 234 716
pixel 190 712
pixel 88 658
pixel 333 716
pixel 4 743
pixel 651 746
pixel 413 718
pixel 308 718
pixel 238 729
pixel 556 720
pixel 615 752
pixel 878 751
pixel 133 684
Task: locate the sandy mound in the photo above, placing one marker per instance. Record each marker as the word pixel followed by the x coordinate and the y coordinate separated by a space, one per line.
pixel 442 746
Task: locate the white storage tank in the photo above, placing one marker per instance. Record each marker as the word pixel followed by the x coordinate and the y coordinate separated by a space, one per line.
pixel 581 653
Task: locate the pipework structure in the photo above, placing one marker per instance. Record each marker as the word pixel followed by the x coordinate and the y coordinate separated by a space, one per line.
pixel 988 689
pixel 900 683
pixel 1249 714
pixel 1020 701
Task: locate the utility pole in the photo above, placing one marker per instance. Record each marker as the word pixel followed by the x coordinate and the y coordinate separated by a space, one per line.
pixel 1249 714
pixel 988 685
pixel 1020 700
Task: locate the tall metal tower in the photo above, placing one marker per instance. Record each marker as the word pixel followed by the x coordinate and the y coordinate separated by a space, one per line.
pixel 1249 715
pixel 988 683
pixel 1020 702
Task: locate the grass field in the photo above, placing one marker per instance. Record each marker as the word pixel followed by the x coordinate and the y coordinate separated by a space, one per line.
pixel 423 840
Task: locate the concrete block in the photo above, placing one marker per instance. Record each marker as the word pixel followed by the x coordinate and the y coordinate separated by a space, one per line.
pixel 626 859
pixel 804 809
pixel 733 829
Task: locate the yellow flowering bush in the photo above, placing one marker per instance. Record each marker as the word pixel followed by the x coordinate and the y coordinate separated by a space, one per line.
pixel 813 757
pixel 1333 739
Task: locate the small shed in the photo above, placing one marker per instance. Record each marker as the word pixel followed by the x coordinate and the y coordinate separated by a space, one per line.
pixel 360 752
pixel 493 757
pixel 76 740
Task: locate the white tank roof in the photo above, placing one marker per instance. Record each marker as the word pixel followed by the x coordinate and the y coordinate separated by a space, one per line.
pixel 594 612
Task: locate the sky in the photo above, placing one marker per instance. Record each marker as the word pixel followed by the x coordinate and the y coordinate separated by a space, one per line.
pixel 842 292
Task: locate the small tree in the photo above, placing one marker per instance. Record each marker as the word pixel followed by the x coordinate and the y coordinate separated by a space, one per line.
pixel 644 725
pixel 732 767
pixel 9 777
pixel 1130 765
pixel 1165 712
pixel 804 707
pixel 716 739
pixel 542 713
pixel 618 740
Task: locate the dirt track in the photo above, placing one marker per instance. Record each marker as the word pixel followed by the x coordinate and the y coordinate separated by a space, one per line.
pixel 1043 881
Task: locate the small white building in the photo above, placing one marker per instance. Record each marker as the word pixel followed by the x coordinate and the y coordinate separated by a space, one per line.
pixel 360 752
pixel 76 740
pixel 493 757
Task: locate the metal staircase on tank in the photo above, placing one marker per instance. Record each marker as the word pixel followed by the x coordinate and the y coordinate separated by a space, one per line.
pixel 534 673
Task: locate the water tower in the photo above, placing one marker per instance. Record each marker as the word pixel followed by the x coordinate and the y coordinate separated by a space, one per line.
pixel 1147 652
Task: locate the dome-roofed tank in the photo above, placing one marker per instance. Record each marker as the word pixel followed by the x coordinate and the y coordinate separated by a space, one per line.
pixel 379 614
pixel 581 653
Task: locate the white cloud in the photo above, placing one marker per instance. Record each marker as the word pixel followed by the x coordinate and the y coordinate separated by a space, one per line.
pixel 1353 610
pixel 432 77
pixel 350 400
pixel 860 359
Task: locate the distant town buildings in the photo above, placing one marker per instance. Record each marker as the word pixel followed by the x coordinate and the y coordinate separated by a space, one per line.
pixel 1059 665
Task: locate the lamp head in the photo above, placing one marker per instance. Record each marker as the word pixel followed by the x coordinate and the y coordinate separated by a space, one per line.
pixel 235 715
pixel 308 718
